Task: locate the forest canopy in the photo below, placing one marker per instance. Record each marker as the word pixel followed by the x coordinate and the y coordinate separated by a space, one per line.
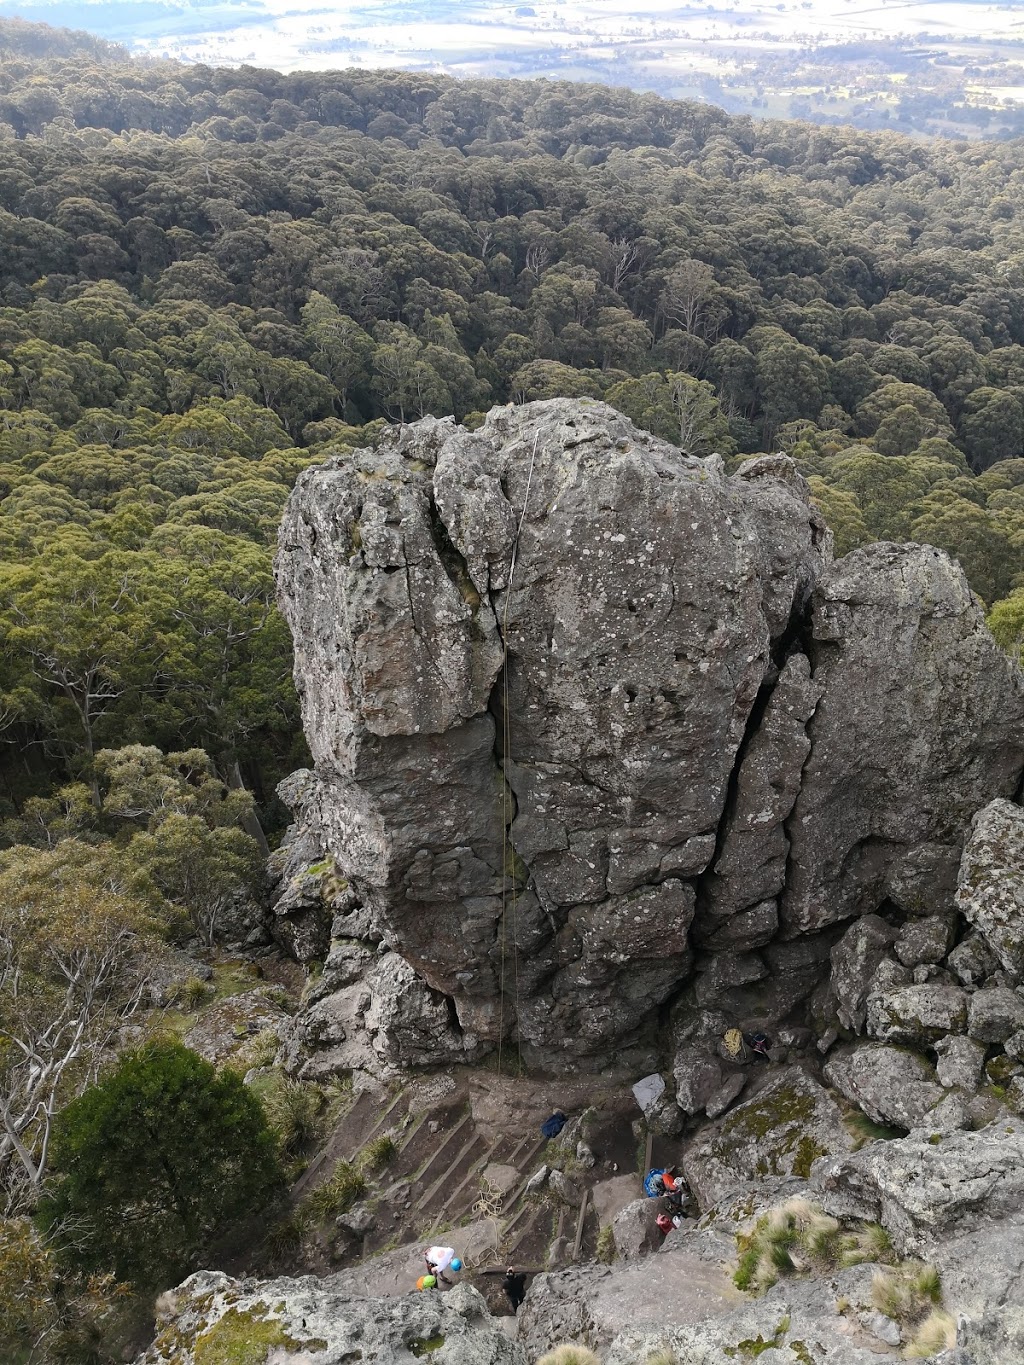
pixel 213 277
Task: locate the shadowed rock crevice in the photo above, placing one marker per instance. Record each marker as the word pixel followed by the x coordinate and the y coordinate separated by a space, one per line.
pixel 704 716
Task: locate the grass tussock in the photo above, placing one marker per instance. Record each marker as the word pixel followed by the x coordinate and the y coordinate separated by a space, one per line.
pixel 293 1111
pixel 798 1238
pixel 936 1333
pixel 346 1186
pixel 793 1238
pixel 378 1153
pixel 569 1355
pixel 907 1293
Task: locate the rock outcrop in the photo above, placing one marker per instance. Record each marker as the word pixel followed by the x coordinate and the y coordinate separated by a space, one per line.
pixel 214 1317
pixel 596 726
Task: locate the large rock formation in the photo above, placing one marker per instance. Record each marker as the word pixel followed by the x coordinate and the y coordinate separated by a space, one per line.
pixel 593 721
pixel 212 1317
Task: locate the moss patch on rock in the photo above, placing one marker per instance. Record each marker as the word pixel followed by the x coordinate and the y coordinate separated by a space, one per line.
pixel 246 1338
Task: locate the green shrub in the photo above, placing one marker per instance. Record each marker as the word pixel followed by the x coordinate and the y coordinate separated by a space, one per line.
pixel 153 1163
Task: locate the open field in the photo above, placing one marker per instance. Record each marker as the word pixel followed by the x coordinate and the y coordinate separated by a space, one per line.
pixel 930 66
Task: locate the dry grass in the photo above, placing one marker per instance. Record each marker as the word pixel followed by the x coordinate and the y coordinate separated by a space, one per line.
pixel 906 1293
pixel 937 1333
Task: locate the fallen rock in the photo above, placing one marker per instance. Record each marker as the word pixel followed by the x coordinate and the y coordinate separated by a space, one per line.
pixel 990 890
pixel 855 962
pixel 698 1075
pixel 924 1192
pixel 635 1228
pixel 564 1187
pixel 972 960
pixel 537 1180
pixel 959 1062
pixel 610 1196
pixel 312 1319
pixel 916 1014
pixel 925 941
pixel 782 1130
pixel 889 1084
pixel 502 1178
pixel 995 1014
pixel 726 1094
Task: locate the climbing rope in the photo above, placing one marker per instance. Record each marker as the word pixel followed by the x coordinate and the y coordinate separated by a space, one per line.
pixel 509 888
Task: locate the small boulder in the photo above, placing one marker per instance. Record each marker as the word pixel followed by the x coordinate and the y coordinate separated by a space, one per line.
pixel 925 941
pixel 501 1178
pixel 635 1230
pixel 358 1220
pixel 916 1014
pixel 855 961
pixel 566 1189
pixel 726 1094
pixel 1014 1047
pixel 960 1062
pixel 881 1327
pixel 698 1075
pixel 949 1115
pixel 990 889
pixel 537 1180
pixel 995 1014
pixel 890 1084
pixel 972 961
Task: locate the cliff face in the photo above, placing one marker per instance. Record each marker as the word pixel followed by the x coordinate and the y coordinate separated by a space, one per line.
pixel 597 727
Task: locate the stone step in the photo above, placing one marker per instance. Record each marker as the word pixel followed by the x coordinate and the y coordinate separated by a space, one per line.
pixel 385 1121
pixel 359 1116
pixel 460 1200
pixel 524 1161
pixel 448 1167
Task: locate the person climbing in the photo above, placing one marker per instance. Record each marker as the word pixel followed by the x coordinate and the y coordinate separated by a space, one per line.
pixel 438 1260
pixel 661 1181
pixel 514 1285
pixel 665 1223
pixel 426 1282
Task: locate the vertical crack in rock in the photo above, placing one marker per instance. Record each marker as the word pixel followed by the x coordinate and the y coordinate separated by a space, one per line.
pixel 707 719
pixel 919 724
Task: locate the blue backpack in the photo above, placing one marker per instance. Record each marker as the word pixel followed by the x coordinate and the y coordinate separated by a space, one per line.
pixel 653 1187
pixel 553 1126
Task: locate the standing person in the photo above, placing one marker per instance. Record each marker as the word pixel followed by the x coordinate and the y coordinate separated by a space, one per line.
pixel 438 1260
pixel 514 1285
